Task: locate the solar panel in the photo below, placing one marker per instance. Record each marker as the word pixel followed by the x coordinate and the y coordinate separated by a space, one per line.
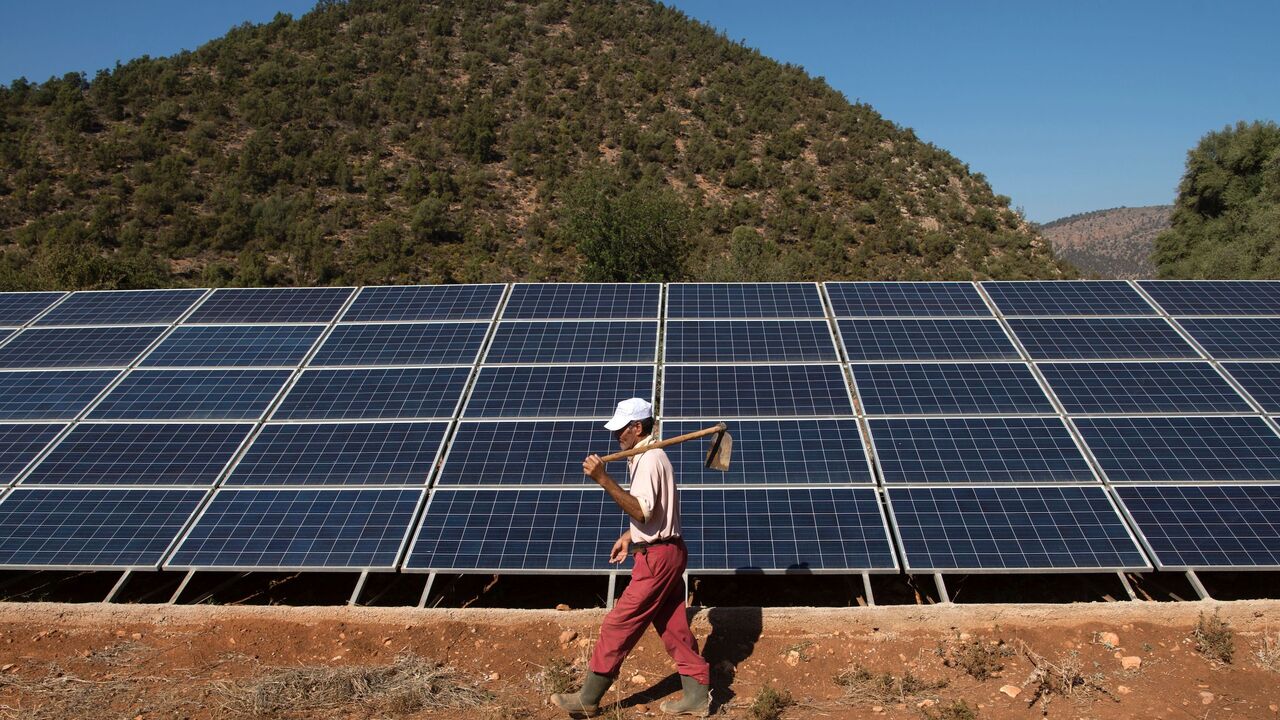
pixel 693 341
pixel 96 529
pixel 386 394
pixel 700 391
pixel 1180 449
pixel 234 346
pixel 583 391
pixel 425 302
pixel 1036 528
pixel 20 444
pixel 1261 380
pixel 191 395
pixel 517 531
pixel 55 395
pixel 870 339
pixel 793 529
pixel 1215 297
pixel 1142 387
pixel 949 388
pixel 582 301
pixel 17 308
pixel 343 454
pixel 744 300
pixel 402 344
pixel 906 299
pixel 121 307
pixel 978 450
pixel 1100 338
pixel 774 452
pixel 1067 297
pixel 321 529
pixel 1212 527
pixel 1236 337
pixel 574 342
pixel 93 347
pixel 140 454
pixel 526 452
pixel 271 305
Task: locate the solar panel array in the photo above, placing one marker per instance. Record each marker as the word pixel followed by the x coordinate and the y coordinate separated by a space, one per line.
pixel 979 427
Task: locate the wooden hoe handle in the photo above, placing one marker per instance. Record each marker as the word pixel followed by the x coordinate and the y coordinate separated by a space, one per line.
pixel 714 429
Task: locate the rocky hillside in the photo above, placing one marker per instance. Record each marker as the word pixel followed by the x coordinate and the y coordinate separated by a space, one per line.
pixel 395 141
pixel 1115 243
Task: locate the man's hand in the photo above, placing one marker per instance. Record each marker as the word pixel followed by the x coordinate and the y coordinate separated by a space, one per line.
pixel 619 551
pixel 593 467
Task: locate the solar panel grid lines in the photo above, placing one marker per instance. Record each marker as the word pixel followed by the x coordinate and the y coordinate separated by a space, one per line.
pixel 1100 338
pixel 955 389
pixel 341 454
pixel 98 347
pixel 121 307
pixel 418 303
pixel 531 342
pixel 1207 527
pixel 277 305
pixel 20 308
pixel 1214 297
pixel 756 390
pixel 556 391
pixel 778 300
pixel 905 299
pixel 529 453
pixel 201 394
pixel 1142 387
pixel 741 341
pixel 191 347
pixel 1261 380
pixel 21 444
pixel 772 452
pixel 1182 448
pixel 916 339
pixel 1235 338
pixel 51 395
pixel 385 393
pixel 583 301
pixel 1066 298
pixel 404 344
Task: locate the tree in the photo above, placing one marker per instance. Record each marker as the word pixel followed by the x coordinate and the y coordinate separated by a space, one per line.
pixel 635 234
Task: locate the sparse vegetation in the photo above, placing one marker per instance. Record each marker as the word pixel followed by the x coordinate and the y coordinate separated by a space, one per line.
pixel 978 657
pixel 1266 652
pixel 865 687
pixel 1064 677
pixel 557 676
pixel 1214 638
pixel 770 703
pixel 954 710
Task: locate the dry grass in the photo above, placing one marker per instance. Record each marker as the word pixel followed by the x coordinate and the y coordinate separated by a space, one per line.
pixel 980 658
pixel 57 695
pixel 955 710
pixel 770 703
pixel 1214 638
pixel 1266 652
pixel 557 676
pixel 1064 677
pixel 864 687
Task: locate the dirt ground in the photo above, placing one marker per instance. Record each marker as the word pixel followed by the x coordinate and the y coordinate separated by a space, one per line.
pixel 158 661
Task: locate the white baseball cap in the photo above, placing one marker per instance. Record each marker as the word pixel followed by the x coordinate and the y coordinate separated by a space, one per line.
pixel 629 411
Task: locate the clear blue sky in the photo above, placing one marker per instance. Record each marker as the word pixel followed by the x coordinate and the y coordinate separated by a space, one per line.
pixel 1065 106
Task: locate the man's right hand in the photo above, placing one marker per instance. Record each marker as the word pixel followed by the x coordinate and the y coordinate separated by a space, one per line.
pixel 619 551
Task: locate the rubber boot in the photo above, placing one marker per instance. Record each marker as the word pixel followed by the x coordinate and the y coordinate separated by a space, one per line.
pixel 696 700
pixel 586 702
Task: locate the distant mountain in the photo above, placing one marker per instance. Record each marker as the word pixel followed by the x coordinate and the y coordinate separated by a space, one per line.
pixel 1115 243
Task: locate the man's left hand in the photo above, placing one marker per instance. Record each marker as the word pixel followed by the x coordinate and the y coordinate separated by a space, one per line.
pixel 593 467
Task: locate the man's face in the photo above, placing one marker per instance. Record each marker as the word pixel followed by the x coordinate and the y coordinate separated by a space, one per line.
pixel 628 436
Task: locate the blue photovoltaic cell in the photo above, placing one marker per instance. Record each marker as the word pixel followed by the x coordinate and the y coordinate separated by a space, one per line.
pixel 871 339
pixel 234 346
pixel 341 454
pixel 1236 338
pixel 314 528
pixel 538 452
pixel 54 527
pixel 570 342
pixel 1011 528
pixel 402 344
pixel 191 395
pixel 1100 338
pixel 583 391
pixel 1142 387
pixel 582 301
pixel 744 300
pixel 17 308
pixel 1178 449
pixel 387 394
pixel 697 341
pixel 1215 297
pixel 1260 380
pixel 19 444
pixel 694 391
pixel 425 302
pixel 978 450
pixel 55 395
pixel 1207 527
pixel 774 452
pixel 785 529
pixel 94 347
pixel 906 299
pixel 121 307
pixel 517 530
pixel 949 388
pixel 271 305
pixel 140 454
pixel 1067 297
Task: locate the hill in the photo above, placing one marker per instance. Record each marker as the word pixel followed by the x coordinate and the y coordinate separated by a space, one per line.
pixel 1114 243
pixel 392 141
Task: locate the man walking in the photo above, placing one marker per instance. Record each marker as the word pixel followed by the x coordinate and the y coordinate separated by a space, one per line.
pixel 656 591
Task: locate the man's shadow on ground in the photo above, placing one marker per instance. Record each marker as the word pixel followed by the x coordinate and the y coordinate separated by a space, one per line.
pixel 733 638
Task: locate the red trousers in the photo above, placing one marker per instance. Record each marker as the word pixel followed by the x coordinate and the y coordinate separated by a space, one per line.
pixel 654 595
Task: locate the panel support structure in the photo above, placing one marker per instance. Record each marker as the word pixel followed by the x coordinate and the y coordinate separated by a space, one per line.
pixel 1128 588
pixel 1198 586
pixel 613 586
pixel 866 589
pixel 942 589
pixel 115 590
pixel 426 590
pixel 182 586
pixel 355 594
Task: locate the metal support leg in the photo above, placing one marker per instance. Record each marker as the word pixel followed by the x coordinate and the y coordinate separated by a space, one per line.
pixel 355 594
pixel 182 586
pixel 942 588
pixel 1198 586
pixel 431 580
pixel 1127 587
pixel 866 589
pixel 613 587
pixel 124 578
pixel 687 586
pixel 220 588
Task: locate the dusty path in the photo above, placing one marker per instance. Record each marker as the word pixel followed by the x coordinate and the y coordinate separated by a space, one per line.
pixel 150 661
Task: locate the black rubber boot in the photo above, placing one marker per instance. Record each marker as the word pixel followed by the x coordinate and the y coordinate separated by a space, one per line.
pixel 696 700
pixel 586 702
